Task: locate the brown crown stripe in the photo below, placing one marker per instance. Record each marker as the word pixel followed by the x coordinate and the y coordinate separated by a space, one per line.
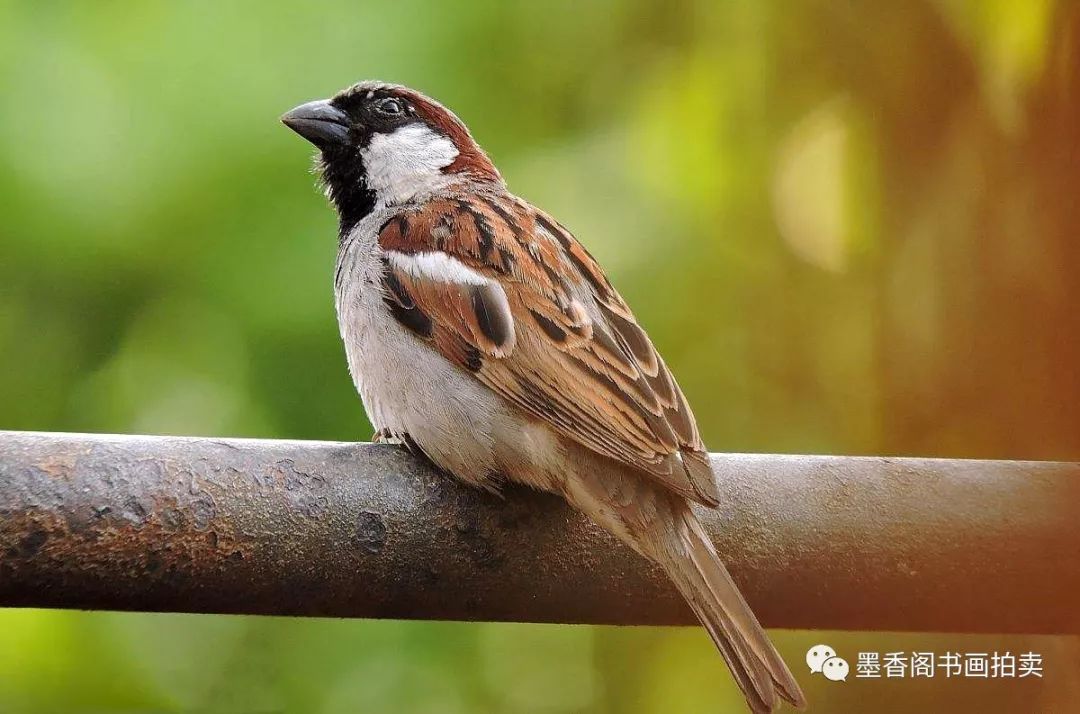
pixel 471 158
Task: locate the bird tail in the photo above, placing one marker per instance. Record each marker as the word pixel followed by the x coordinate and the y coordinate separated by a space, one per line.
pixel 692 563
pixel 661 526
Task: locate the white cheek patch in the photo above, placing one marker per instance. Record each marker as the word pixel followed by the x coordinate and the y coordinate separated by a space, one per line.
pixel 407 162
pixel 435 266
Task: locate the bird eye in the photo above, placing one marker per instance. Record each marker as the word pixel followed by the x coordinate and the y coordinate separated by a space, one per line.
pixel 390 107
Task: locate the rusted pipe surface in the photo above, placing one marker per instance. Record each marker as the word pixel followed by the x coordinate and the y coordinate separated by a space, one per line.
pixel 361 530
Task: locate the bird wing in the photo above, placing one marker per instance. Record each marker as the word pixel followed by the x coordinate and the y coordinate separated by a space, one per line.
pixel 502 290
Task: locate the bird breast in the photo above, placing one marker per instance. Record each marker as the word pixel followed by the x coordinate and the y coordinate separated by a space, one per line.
pixel 407 387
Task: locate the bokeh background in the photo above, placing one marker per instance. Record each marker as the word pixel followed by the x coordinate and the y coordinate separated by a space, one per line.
pixel 850 228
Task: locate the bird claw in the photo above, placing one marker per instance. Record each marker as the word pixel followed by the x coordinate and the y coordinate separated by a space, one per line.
pixel 384 436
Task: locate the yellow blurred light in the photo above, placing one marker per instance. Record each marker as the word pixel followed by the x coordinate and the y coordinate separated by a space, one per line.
pixel 809 191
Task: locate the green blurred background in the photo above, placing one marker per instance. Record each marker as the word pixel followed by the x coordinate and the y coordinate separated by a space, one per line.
pixel 849 227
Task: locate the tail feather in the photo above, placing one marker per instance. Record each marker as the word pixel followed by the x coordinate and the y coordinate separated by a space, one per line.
pixel 704 581
pixel 755 683
pixel 660 526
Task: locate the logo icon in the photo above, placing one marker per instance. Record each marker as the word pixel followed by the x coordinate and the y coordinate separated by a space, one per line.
pixel 822 659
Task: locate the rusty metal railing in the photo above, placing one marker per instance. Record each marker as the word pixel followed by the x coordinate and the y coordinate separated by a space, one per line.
pixel 361 530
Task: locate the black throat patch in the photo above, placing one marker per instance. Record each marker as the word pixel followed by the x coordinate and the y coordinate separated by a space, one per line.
pixel 344 175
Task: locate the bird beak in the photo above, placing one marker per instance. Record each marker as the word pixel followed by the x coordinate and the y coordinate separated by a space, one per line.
pixel 320 122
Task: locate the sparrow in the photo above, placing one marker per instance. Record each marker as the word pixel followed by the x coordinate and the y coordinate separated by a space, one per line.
pixel 481 334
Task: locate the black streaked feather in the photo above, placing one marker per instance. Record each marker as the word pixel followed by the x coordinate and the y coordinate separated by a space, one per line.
pixel 495 322
pixel 600 286
pixel 402 306
pixel 556 333
pixel 473 359
pixel 635 340
pixel 502 213
pixel 657 424
pixel 483 229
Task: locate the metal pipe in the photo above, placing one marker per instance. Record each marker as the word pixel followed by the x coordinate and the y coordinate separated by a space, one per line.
pixel 360 530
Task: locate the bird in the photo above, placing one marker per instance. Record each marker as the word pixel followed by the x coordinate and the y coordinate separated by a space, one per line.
pixel 482 335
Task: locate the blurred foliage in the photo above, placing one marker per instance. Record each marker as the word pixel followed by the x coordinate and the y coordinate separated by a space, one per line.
pixel 850 228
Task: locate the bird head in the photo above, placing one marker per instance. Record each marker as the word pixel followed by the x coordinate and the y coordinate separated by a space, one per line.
pixel 384 144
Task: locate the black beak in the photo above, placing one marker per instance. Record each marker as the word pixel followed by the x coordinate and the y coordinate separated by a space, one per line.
pixel 320 122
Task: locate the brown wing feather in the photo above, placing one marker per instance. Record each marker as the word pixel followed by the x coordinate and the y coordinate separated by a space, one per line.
pixel 575 358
